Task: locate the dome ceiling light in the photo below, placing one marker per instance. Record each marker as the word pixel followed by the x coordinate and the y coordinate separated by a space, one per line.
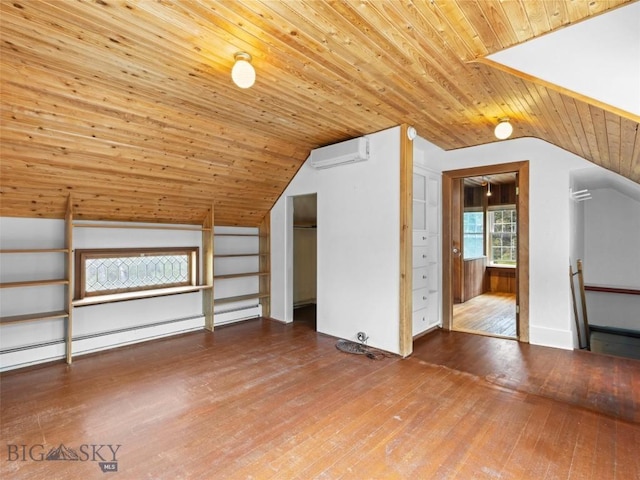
pixel 243 74
pixel 504 129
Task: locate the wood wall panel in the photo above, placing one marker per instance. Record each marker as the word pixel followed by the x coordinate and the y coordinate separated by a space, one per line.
pixel 475 278
pixel 130 106
pixel 501 280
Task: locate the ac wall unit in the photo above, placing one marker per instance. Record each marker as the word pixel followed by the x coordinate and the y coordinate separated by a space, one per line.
pixel 351 151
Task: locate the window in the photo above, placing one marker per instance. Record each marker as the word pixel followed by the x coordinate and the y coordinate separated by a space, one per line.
pixel 103 272
pixel 473 240
pixel 503 236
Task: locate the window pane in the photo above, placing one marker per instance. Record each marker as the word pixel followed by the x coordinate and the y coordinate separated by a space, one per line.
pixel 126 273
pixel 473 234
pixel 503 236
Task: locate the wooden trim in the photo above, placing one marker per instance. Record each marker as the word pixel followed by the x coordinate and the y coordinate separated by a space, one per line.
pixel 32 317
pixel 240 298
pixel 265 265
pixel 69 273
pixel 121 297
pixel 229 255
pixel 207 269
pixel 559 89
pixel 522 270
pixel 35 283
pixel 240 275
pixel 35 250
pixel 406 243
pixel 603 289
pixel 144 227
pixel 447 257
pixel 237 234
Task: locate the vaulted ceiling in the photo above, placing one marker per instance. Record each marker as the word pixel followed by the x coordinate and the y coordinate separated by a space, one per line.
pixel 129 106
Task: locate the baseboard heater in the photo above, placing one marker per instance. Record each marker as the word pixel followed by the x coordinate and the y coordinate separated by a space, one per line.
pixel 26 355
pixel 231 315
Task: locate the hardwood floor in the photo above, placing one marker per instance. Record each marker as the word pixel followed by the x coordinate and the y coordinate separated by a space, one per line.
pixel 492 313
pixel 264 400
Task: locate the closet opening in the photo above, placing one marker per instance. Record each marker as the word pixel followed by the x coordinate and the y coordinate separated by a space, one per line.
pixel 305 267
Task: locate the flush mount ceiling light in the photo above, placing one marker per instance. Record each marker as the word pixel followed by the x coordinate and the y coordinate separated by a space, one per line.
pixel 411 133
pixel 504 129
pixel 243 74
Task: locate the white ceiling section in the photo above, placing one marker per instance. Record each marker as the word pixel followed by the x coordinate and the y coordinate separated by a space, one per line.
pixel 598 58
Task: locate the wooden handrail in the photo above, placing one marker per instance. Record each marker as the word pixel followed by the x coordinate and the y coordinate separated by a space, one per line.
pixel 623 290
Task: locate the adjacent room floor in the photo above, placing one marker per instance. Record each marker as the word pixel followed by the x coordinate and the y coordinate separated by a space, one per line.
pixel 492 313
pixel 265 400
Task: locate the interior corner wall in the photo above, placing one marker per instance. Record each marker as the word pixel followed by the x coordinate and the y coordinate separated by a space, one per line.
pixel 358 245
pixel 550 305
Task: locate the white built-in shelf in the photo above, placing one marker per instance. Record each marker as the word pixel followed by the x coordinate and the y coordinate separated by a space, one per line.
pixel 34 283
pixel 240 275
pixel 120 297
pixel 32 317
pixel 240 298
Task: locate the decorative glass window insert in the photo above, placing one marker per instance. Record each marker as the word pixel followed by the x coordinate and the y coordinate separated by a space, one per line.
pixel 503 236
pixel 103 272
pixel 473 228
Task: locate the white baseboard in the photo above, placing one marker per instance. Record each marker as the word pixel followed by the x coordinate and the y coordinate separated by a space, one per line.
pixel 551 337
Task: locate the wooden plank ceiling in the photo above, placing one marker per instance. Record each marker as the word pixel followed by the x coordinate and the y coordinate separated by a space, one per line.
pixel 129 105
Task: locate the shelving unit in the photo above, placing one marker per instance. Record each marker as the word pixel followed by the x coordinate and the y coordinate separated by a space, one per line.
pixel 31 317
pixel 246 294
pixel 65 314
pixel 238 270
pixel 426 248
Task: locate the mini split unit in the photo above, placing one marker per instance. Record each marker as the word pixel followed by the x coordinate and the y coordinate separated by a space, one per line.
pixel 351 151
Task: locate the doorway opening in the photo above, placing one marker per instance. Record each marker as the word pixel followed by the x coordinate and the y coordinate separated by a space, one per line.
pixel 485 250
pixel 305 216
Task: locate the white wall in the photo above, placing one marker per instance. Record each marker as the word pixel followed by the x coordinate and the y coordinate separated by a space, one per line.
pixel 358 245
pixel 581 57
pixel 612 257
pixel 358 238
pixel 108 317
pixel 550 308
pixel 612 239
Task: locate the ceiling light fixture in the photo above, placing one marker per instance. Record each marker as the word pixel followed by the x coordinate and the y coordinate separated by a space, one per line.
pixel 504 129
pixel 488 188
pixel 411 133
pixel 243 74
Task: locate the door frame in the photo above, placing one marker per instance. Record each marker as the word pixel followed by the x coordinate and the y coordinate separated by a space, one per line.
pixel 522 269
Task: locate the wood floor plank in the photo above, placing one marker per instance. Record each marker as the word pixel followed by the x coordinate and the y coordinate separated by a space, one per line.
pixel 265 400
pixel 492 313
pixel 600 383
